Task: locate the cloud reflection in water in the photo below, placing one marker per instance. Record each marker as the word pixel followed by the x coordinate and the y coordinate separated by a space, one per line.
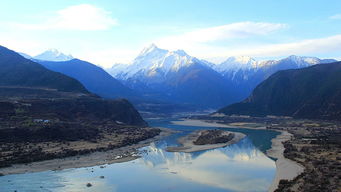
pixel 239 167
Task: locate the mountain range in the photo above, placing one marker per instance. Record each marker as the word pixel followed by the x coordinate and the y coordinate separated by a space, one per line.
pixel 49 55
pixel 16 71
pixel 313 92
pixel 94 78
pixel 245 73
pixel 53 55
pixel 45 93
pixel 173 77
pixel 177 77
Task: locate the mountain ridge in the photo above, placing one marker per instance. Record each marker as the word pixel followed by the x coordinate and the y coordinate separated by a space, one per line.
pixel 156 71
pixel 312 92
pixel 15 70
pixel 173 76
pixel 94 78
pixel 53 55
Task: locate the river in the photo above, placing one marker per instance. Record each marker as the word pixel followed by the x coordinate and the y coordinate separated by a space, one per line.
pixel 239 167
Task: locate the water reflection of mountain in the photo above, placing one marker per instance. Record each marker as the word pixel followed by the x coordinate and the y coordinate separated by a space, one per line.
pixel 241 151
pixel 238 167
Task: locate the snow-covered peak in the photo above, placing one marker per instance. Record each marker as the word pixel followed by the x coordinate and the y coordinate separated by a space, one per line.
pixel 53 55
pixel 116 69
pixel 241 59
pixel 151 50
pixel 180 52
pixel 236 63
pixel 174 61
pixel 300 59
pixel 154 62
pixel 233 64
pixel 150 47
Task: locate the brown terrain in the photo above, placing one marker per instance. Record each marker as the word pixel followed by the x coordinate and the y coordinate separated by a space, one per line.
pixel 35 128
pixel 317 146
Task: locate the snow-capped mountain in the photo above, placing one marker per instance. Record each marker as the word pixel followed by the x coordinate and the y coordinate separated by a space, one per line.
pixel 237 67
pixel 236 63
pixel 53 55
pixel 173 76
pixel 154 63
pixel 245 73
pixel 294 62
pixel 233 64
pixel 179 77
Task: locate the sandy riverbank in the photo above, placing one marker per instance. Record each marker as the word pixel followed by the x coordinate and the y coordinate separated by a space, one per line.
pixel 285 168
pixel 202 123
pixel 118 155
pixel 188 145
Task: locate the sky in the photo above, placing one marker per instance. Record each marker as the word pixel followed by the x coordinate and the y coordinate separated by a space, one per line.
pixel 105 32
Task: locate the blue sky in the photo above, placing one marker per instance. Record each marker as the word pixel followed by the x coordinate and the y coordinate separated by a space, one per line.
pixel 108 31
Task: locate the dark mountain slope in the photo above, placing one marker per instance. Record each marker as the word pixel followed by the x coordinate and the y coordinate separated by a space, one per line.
pixel 15 70
pixel 174 77
pixel 94 78
pixel 245 79
pixel 198 85
pixel 313 92
pixel 29 91
pixel 46 115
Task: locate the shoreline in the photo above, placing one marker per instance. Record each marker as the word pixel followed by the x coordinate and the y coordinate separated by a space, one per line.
pixel 285 168
pixel 188 146
pixel 118 155
pixel 203 123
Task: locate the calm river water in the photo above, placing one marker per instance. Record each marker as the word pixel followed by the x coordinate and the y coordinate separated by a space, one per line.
pixel 239 167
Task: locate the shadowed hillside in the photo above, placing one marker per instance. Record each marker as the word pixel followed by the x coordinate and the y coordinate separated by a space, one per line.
pixel 46 115
pixel 15 70
pixel 313 92
pixel 94 78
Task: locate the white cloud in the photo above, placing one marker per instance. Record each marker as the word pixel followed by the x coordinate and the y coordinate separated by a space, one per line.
pixel 327 45
pixel 219 33
pixel 82 17
pixel 19 44
pixel 107 57
pixel 310 47
pixel 202 42
pixel 337 16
